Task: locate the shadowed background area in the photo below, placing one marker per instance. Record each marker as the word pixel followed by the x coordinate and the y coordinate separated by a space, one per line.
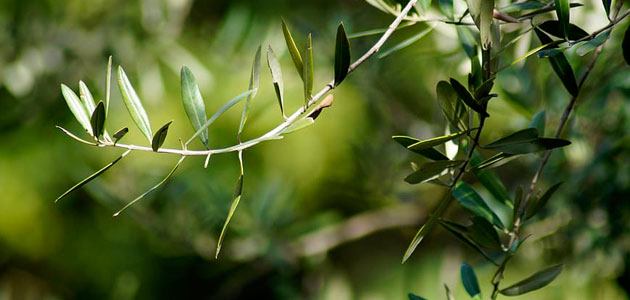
pixel 325 213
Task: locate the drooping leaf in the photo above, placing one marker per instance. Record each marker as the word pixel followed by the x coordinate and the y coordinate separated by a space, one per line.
pixel 446 6
pixel 625 45
pixel 525 135
pixel 298 125
pixel 193 103
pixel 469 199
pixel 535 207
pixel 166 178
pixel 276 77
pixel 414 297
pixel 93 176
pixel 119 134
pixel 428 226
pixel 86 98
pixel 462 233
pixel 431 170
pixel 469 279
pixel 588 46
pixel 254 82
pixel 534 282
pixel 555 28
pixel 485 23
pixel 236 199
pixel 482 232
pixel 308 70
pixel 77 108
pixel 465 95
pixel 451 106
pixel 160 136
pixel 293 50
pixel 560 65
pixel 525 141
pixel 562 10
pixel 133 104
pixel 538 121
pixel 342 55
pixel 406 43
pixel 98 120
pixel 429 153
pixel 430 143
pixel 490 181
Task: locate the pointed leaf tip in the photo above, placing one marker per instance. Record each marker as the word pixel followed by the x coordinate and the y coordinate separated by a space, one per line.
pixel 98 120
pixel 193 103
pixel 342 55
pixel 133 104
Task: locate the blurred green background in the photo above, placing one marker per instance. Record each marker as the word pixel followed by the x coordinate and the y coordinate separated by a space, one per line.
pixel 325 213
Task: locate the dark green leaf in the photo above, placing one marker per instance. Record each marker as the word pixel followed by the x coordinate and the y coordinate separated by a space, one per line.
pixel 429 153
pixel 293 50
pixel 607 4
pixel 496 160
pixel 276 77
pixel 98 120
pixel 160 136
pixel 518 198
pixel 547 9
pixel 193 103
pixel 538 122
pixel 535 207
pixel 236 199
pixel 525 135
pixel 452 108
pixel 342 55
pixel 308 70
pixel 562 10
pixel 254 81
pixel 298 125
pixel 468 98
pixel 463 234
pixel 474 8
pixel 86 97
pixel 490 181
pixel 446 6
pixel 428 225
pixel 430 143
pixel 133 104
pixel 77 108
pixel 525 141
pixel 431 170
pixel 484 89
pixel 470 281
pixel 469 199
pixel 467 39
pixel 219 112
pixel 91 177
pixel 482 232
pixel 555 28
pixel 108 85
pixel 560 65
pixel 533 282
pixel 119 134
pixel 544 53
pixel 414 297
pixel 406 43
pixel 625 45
pixel 591 45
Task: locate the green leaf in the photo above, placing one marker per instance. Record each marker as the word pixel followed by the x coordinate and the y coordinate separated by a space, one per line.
pixel 308 70
pixel 547 9
pixel 560 65
pixel 119 134
pixel 549 52
pixel 607 4
pixel 254 82
pixel 446 6
pixel 538 121
pixel 562 10
pixel 429 153
pixel 490 181
pixel 342 55
pixel 428 225
pixel 108 86
pixel 422 6
pixel 625 45
pixel 168 176
pixel 86 97
pixel 77 108
pixel 474 8
pixel 414 297
pixel 462 233
pixel 431 170
pixel 236 199
pixel 276 77
pixel 465 95
pixel 430 143
pixel 298 125
pixel 93 176
pixel 520 6
pixel 470 281
pixel 555 28
pixel 467 39
pixel 469 199
pixel 451 106
pixel 98 120
pixel 406 43
pixel 160 136
pixel 588 46
pixel 534 282
pixel 133 104
pixel 482 232
pixel 293 50
pixel 485 23
pixel 538 205
pixel 193 103
pixel 518 199
pixel 496 160
pixel 525 141
pixel 484 89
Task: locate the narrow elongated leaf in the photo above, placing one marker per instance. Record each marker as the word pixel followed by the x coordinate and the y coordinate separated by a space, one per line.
pixel 236 200
pixel 465 95
pixel 607 4
pixel 133 104
pixel 469 199
pixel 98 120
pixel 462 233
pixel 591 45
pixel 538 205
pixel 93 176
pixel 160 136
pixel 293 50
pixel 520 6
pixel 518 199
pixel 547 9
pixel 482 232
pixel 406 43
pixel 168 176
pixel 560 65
pixel 342 55
pixel 496 160
pixel 484 89
pixel 298 125
pixel 414 297
pixel 490 181
pixel 538 122
pixel 549 52
pixel 108 86
pixel 430 143
pixel 431 170
pixel 193 103
pixel 469 279
pixel 533 282
pixel 555 28
pixel 254 82
pixel 429 153
pixel 485 23
pixel 562 10
pixel 625 45
pixel 451 106
pixel 525 141
pixel 525 135
pixel 448 293
pixel 428 226
pixel 86 97
pixel 446 6
pixel 77 108
pixel 119 134
pixel 474 8
pixel 276 77
pixel 308 70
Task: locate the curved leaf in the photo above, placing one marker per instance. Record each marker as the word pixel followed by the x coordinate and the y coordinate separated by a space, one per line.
pixel 133 104
pixel 431 170
pixel 469 279
pixel 160 136
pixel 342 55
pixel 533 282
pixel 485 23
pixel 86 97
pixel 253 86
pixel 555 28
pixel 276 77
pixel 560 65
pixel 415 297
pixel 298 125
pixel 625 45
pixel 469 199
pixel 119 134
pixel 236 199
pixel 429 153
pixel 430 143
pixel 465 95
pixel 77 108
pixel 591 45
pixel 562 10
pixel 193 103
pixel 98 120
pixel 308 70
pixel 293 50
pixel 452 108
pixel 463 234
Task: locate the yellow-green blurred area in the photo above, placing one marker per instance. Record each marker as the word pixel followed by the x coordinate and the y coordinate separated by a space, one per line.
pixel 325 213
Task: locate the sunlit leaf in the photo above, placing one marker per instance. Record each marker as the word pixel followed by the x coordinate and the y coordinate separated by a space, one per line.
pixel 538 121
pixel 236 199
pixel 484 89
pixel 406 43
pixel 308 69
pixel 588 46
pixel 446 6
pixel 422 6
pixel 431 170
pixel 535 207
pixel 342 55
pixel 430 143
pixel 119 134
pixel 86 97
pixel 93 176
pixel 276 77
pixel 160 136
pixel 254 82
pixel 293 50
pixel 414 297
pixel 465 95
pixel 518 199
pixel 298 125
pixel 607 4
pixel 77 108
pixel 562 10
pixel 469 199
pixel 525 141
pixel 193 103
pixel 108 85
pixel 520 6
pixel 560 65
pixel 534 282
pixel 133 104
pixel 469 279
pixel 98 120
pixel 429 153
pixel 474 8
pixel 555 28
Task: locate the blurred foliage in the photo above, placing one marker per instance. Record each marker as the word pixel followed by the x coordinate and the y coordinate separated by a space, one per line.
pixel 325 213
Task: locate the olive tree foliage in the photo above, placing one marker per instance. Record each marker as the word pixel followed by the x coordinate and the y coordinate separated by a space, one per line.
pixel 464 105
